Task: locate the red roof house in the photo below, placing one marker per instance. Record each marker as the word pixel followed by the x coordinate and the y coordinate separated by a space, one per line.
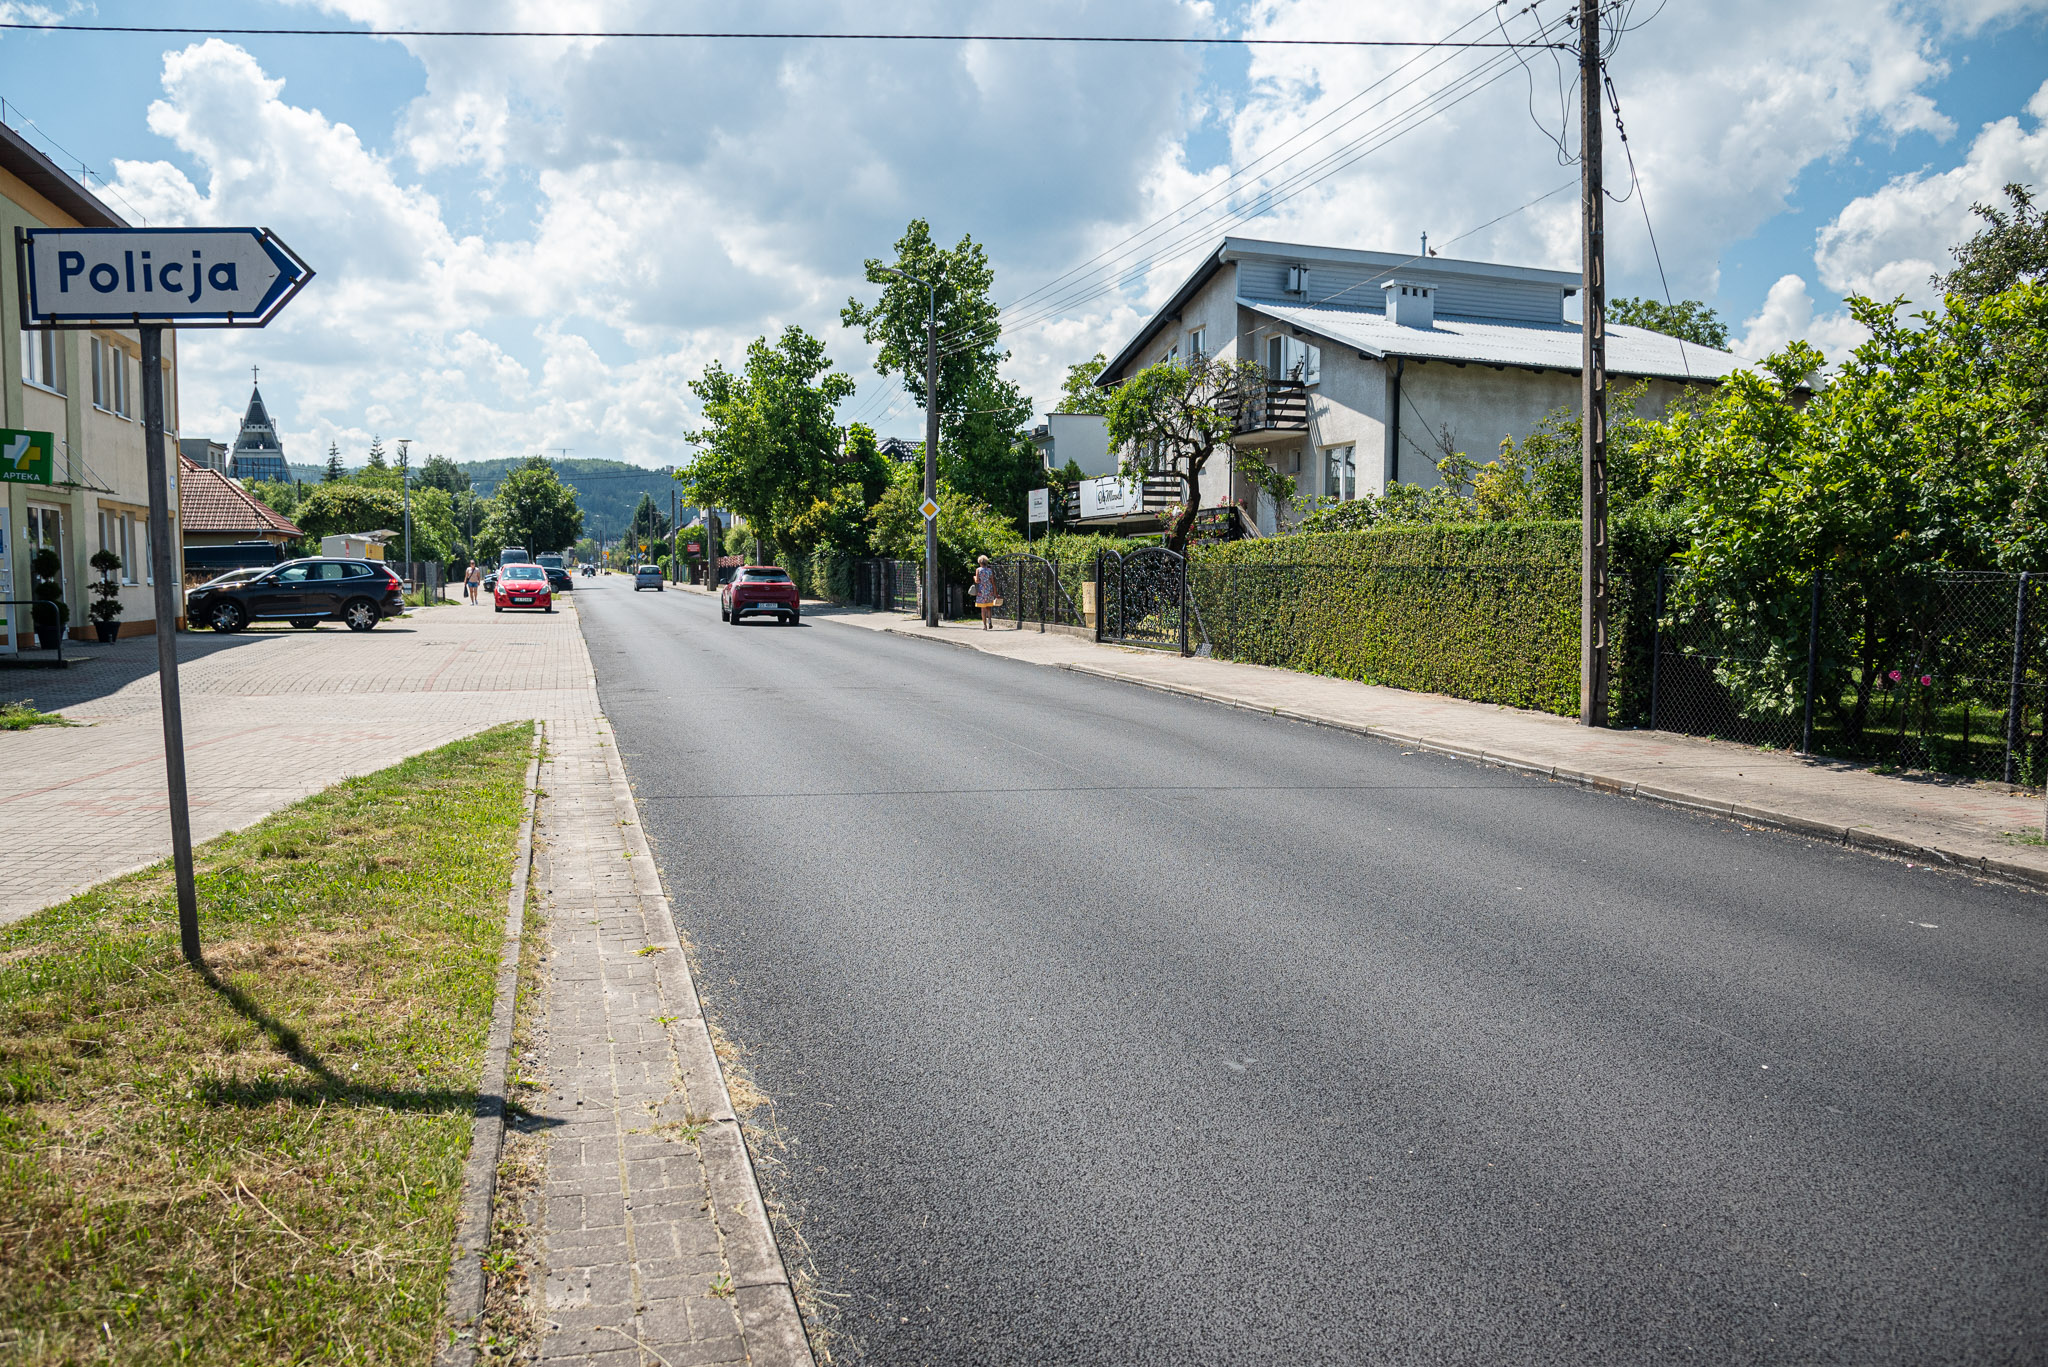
pixel 213 510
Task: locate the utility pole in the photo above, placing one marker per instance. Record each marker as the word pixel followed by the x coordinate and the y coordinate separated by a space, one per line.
pixel 405 499
pixel 1593 597
pixel 675 539
pixel 931 439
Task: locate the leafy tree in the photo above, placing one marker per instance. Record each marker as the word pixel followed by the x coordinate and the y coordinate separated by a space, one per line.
pixel 532 509
pixel 1169 418
pixel 1079 392
pixel 981 415
pixel 334 470
pixel 648 524
pixel 441 473
pixel 2013 248
pixel 1923 454
pixel 1688 320
pixel 347 508
pixel 279 495
pixel 967 528
pixel 770 437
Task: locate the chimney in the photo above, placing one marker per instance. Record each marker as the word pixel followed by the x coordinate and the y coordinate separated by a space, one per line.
pixel 1410 305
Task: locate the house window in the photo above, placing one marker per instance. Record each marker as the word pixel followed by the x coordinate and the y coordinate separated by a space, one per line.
pixel 42 359
pixel 127 551
pixel 1198 344
pixel 1276 354
pixel 111 386
pixel 1340 473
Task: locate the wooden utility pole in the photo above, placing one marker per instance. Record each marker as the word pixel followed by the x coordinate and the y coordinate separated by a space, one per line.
pixel 1593 596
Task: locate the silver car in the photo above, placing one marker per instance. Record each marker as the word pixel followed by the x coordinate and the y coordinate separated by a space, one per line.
pixel 647 577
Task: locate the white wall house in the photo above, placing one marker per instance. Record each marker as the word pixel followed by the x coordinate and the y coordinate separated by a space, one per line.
pixel 1375 361
pixel 85 388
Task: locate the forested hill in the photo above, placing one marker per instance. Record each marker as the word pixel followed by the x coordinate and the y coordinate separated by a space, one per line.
pixel 606 490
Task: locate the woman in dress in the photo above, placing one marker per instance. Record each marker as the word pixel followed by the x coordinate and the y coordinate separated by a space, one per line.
pixel 985 596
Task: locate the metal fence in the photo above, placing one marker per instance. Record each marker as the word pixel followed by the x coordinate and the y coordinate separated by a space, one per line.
pixel 1943 672
pixel 1144 600
pixel 1032 594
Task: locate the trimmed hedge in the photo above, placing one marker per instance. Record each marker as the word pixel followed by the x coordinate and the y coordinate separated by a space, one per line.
pixel 1482 610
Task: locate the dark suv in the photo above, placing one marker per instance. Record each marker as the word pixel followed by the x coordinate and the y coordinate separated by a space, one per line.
pixel 302 592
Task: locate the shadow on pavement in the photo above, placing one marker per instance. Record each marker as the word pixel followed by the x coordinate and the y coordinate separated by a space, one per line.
pixel 100 671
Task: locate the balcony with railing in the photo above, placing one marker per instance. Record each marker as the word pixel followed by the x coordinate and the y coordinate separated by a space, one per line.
pixel 1267 412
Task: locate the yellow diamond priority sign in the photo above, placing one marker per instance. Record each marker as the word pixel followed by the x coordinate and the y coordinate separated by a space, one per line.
pixel 930 509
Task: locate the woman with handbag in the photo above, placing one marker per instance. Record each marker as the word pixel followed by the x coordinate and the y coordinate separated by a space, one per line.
pixel 985 596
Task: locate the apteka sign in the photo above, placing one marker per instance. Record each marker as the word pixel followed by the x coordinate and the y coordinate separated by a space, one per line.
pixel 173 277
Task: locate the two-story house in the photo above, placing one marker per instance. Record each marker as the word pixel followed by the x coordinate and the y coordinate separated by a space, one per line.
pixel 85 388
pixel 1378 364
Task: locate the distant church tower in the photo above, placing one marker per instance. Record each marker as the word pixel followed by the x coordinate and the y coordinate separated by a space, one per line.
pixel 258 453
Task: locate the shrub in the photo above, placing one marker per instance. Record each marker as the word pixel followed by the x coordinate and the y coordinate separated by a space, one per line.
pixel 1481 610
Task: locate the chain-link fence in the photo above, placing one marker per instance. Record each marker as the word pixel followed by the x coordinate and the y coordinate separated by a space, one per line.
pixel 1943 672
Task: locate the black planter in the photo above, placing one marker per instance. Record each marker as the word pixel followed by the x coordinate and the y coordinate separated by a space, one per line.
pixel 106 631
pixel 49 634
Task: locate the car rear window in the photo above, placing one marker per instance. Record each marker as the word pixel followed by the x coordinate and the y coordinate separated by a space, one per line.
pixel 765 576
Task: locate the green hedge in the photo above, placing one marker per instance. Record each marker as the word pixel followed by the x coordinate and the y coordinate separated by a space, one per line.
pixel 1484 610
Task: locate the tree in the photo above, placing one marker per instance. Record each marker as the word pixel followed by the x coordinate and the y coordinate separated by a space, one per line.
pixel 377 472
pixel 967 528
pixel 441 473
pixel 770 436
pixel 1167 420
pixel 1922 454
pixel 1079 393
pixel 648 524
pixel 2012 249
pixel 531 508
pixel 981 415
pixel 334 470
pixel 346 508
pixel 1689 320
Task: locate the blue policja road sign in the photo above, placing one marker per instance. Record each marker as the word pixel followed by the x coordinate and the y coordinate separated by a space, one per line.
pixel 172 277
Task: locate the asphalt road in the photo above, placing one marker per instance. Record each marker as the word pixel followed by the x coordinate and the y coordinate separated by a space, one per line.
pixel 1110 1027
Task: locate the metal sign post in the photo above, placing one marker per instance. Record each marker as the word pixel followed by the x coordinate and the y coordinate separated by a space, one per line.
pixel 149 279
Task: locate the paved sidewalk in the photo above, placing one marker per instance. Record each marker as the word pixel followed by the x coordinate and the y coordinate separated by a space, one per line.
pixel 655 1245
pixel 1966 825
pixel 271 716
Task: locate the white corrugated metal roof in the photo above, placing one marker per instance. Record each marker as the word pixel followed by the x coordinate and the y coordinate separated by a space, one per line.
pixel 1630 350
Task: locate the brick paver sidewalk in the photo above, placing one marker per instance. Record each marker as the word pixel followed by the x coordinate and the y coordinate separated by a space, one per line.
pixel 271 716
pixel 655 1245
pixel 1967 825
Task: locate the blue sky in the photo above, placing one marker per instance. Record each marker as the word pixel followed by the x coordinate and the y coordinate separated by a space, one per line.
pixel 531 245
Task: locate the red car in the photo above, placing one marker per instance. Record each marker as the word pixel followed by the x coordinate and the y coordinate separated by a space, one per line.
pixel 522 586
pixel 759 590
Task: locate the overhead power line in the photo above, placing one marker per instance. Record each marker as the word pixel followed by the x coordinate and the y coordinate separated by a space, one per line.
pixel 210 31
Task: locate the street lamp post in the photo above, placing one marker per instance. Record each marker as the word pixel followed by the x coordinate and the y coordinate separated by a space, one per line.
pixel 931 440
pixel 405 499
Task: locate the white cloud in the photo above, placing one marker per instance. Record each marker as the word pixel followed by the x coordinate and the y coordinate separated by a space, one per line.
pixel 632 209
pixel 1889 243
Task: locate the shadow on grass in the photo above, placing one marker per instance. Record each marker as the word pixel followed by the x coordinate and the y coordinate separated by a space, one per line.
pixel 329 1087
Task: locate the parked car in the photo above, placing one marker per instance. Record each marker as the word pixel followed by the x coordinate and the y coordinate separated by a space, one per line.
pixel 647 577
pixel 759 590
pixel 491 582
pixel 302 592
pixel 514 555
pixel 522 586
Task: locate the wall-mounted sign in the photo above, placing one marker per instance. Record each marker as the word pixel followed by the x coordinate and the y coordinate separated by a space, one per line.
pixel 693 547
pixel 1038 506
pixel 27 457
pixel 176 277
pixel 1111 496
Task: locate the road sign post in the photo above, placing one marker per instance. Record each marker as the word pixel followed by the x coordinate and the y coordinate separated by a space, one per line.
pixel 150 279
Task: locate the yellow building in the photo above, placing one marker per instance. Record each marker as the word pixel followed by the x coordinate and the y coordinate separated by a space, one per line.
pixel 85 388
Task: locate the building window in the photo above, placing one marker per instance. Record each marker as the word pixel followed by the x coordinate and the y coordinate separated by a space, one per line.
pixel 111 386
pixel 42 359
pixel 1198 344
pixel 1340 473
pixel 127 551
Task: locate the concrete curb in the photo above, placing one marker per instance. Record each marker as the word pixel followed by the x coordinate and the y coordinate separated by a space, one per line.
pixel 770 1321
pixel 465 1296
pixel 1792 822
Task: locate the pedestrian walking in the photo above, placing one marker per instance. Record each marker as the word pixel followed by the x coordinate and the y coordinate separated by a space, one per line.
pixel 474 582
pixel 985 596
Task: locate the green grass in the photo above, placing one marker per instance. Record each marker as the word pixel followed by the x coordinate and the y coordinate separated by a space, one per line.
pixel 20 716
pixel 261 1168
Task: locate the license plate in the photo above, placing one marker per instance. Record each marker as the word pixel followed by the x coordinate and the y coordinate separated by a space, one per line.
pixel 522 600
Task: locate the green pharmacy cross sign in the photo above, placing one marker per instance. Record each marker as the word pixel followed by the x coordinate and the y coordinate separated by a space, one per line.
pixel 27 457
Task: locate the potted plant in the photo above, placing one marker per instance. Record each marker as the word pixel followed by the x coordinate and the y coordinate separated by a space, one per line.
pixel 49 611
pixel 105 609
